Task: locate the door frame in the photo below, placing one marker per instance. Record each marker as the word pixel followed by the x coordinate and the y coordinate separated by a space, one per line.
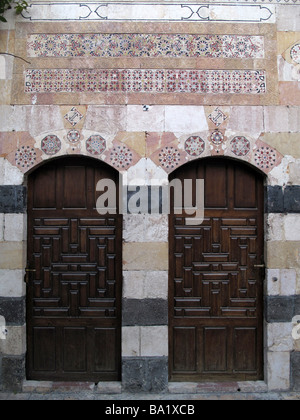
pixel 263 354
pixel 119 278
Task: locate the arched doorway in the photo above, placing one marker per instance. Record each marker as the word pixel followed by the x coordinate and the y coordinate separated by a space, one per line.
pixel 216 277
pixel 74 294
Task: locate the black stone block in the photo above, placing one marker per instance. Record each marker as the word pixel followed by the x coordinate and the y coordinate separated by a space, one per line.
pixel 144 312
pixel 13 199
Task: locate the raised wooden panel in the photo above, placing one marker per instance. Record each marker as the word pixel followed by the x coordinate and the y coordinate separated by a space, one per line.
pixel 245 349
pixel 74 187
pixel 215 349
pixel 184 344
pixel 77 255
pixel 74 348
pixel 216 289
pixel 245 189
pixel 44 346
pixel 45 198
pixel 106 348
pixel 216 186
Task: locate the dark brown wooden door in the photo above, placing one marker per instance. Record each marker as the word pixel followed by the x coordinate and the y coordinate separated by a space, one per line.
pixel 74 298
pixel 216 290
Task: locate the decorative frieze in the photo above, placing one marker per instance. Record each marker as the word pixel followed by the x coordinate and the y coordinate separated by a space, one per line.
pixel 157 12
pixel 146 81
pixel 145 45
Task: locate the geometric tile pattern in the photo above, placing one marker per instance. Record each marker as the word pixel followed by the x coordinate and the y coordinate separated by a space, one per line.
pixel 169 157
pixel 240 146
pixel 51 145
pixel 121 157
pixel 95 145
pixel 143 81
pixel 217 117
pixel 194 146
pixel 145 45
pixel 295 53
pixel 217 137
pixel 73 116
pixel 265 157
pixel 25 157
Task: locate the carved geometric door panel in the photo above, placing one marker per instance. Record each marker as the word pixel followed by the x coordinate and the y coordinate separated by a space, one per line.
pixel 74 296
pixel 216 288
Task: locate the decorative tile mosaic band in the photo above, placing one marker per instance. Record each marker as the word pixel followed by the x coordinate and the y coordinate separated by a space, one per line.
pixel 146 81
pixel 145 45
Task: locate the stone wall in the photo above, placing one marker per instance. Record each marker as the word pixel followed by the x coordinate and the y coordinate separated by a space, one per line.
pixel 152 113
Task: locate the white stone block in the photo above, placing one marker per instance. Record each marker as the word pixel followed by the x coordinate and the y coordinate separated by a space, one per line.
pixel 280 337
pixel 275 230
pixel 246 119
pixel 14 230
pixel 278 371
pixel 185 119
pixel 12 283
pixel 133 284
pixel 145 228
pixel 140 120
pixel 131 337
pixel 156 285
pixel 12 175
pixel 276 119
pixel 145 284
pixel 2 68
pixel 292 227
pixel 15 342
pixel 281 282
pixel 154 341
pixel 288 18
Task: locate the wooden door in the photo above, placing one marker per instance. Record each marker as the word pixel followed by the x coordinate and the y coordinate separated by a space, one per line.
pixel 216 290
pixel 74 297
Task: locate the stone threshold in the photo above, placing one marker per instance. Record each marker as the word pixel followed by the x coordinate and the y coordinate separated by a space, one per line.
pixel 173 387
pixel 47 387
pixel 217 387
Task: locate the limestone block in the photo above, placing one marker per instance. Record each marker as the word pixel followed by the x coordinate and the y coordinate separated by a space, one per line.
pixel 145 284
pixel 107 120
pixel 2 68
pixel 185 119
pixel 284 143
pixel 283 254
pixel 276 119
pixel 288 18
pixel 145 256
pixel 133 284
pixel 156 285
pixel 278 370
pixel 12 255
pixel 275 230
pixel 292 227
pixel 295 172
pixel 131 337
pixel 154 341
pixel 12 283
pixel 145 228
pixel 12 175
pixel 140 120
pixel 280 337
pixel 1 227
pixel 14 230
pixel 247 119
pixel 15 342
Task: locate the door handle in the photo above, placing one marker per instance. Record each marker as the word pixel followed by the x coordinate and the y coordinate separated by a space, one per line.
pixel 259 266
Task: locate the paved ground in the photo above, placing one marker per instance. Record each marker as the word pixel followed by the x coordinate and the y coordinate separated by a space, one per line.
pixel 73 396
pixel 111 391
